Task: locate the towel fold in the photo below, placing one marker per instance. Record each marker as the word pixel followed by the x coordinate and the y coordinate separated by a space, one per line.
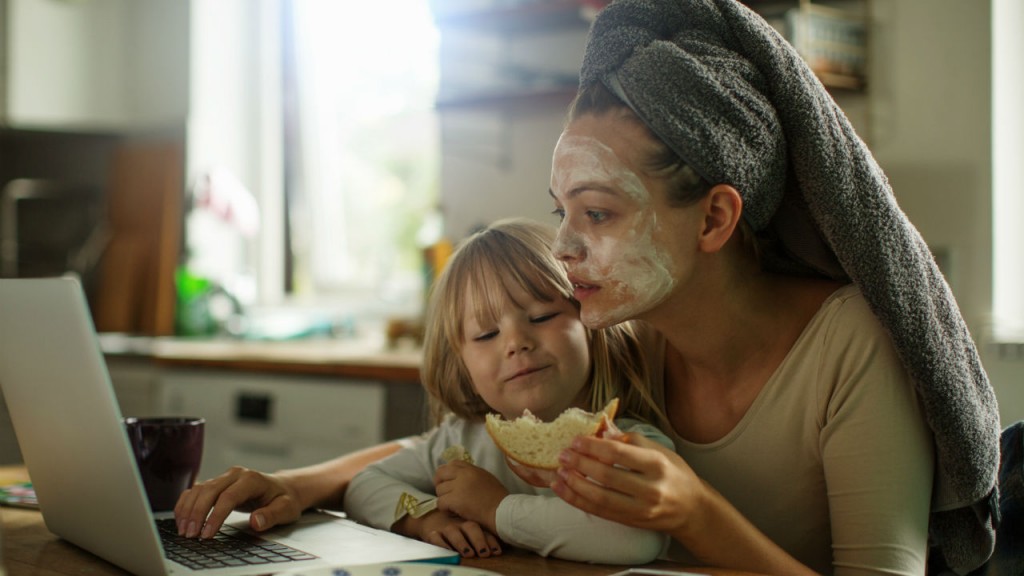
pixel 725 91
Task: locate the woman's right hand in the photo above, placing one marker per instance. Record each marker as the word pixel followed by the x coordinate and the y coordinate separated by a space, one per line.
pixel 202 509
pixel 632 480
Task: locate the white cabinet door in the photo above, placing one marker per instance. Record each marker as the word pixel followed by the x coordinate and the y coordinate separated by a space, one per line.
pixel 136 384
pixel 102 64
pixel 270 422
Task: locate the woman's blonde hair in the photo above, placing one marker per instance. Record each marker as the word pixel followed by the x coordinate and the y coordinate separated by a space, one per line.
pixel 517 253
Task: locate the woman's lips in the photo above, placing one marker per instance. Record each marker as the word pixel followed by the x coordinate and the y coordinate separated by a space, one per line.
pixel 581 289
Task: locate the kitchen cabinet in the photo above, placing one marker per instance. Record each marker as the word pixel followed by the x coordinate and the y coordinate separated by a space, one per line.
pixel 269 422
pixel 97 65
pixel 270 406
pixel 136 382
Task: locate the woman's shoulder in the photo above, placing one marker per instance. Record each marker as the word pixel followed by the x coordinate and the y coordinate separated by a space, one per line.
pixel 849 334
pixel 847 310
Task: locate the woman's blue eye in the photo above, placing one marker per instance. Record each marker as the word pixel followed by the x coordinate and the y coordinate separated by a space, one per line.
pixel 597 216
pixel 560 213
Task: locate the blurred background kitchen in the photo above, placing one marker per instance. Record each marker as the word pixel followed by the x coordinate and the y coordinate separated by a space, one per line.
pixel 255 193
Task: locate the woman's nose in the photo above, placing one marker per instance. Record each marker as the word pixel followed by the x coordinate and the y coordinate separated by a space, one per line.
pixel 567 246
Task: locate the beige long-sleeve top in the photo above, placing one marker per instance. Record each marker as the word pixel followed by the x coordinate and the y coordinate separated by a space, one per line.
pixel 833 461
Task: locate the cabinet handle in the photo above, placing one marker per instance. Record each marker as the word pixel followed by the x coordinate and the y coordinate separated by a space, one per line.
pixel 254 408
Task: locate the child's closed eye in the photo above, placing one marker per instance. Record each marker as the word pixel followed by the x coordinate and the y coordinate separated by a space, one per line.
pixel 544 317
pixel 485 336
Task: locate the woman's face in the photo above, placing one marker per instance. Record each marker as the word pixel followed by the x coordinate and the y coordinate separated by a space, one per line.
pixel 624 246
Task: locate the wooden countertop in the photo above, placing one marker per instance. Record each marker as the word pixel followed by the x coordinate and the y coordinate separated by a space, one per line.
pixel 354 358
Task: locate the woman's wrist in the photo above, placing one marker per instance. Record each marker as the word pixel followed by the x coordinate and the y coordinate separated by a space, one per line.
pixel 705 505
pixel 310 488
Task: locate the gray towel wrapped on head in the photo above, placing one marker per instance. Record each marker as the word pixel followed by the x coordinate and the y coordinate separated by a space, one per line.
pixel 736 102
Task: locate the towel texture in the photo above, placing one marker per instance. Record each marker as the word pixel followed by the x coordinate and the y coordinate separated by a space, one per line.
pixel 735 101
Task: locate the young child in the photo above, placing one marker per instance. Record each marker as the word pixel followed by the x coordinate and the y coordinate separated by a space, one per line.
pixel 504 335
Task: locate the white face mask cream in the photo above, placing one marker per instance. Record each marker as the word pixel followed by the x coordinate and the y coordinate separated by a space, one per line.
pixel 629 271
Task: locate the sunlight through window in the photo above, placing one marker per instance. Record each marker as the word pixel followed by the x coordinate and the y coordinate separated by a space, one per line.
pixel 361 145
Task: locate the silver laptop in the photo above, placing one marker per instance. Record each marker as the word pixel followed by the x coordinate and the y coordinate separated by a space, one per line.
pixel 68 425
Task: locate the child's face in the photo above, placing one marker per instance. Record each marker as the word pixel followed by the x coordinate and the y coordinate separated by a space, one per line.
pixel 535 356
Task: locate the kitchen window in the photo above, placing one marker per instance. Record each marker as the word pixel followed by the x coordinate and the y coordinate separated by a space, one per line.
pixel 361 154
pixel 323 111
pixel 1008 172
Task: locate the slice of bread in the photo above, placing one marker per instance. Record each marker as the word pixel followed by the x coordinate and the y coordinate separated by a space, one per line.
pixel 534 443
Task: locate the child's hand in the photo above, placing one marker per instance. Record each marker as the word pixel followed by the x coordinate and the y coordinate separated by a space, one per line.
pixel 442 529
pixel 469 492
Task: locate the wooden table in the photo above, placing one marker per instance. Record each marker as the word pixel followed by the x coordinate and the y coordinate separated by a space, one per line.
pixel 30 549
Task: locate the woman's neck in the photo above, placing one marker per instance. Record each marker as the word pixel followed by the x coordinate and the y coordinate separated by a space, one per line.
pixel 715 325
pixel 724 343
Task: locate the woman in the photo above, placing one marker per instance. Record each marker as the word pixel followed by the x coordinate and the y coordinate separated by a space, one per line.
pixel 779 390
pixel 709 186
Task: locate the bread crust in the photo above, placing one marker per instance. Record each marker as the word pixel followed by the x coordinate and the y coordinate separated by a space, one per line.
pixel 536 444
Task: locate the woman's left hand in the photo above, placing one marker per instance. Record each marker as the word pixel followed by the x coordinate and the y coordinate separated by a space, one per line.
pixel 469 492
pixel 632 480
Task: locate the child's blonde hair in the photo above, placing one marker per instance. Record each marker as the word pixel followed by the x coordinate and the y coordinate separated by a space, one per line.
pixel 517 252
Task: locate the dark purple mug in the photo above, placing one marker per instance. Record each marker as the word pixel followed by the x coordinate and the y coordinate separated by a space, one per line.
pixel 168 452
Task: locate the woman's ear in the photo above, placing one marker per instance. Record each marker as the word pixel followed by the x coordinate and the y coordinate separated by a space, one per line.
pixel 723 207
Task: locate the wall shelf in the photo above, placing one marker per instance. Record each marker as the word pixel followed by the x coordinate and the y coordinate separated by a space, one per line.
pixel 830 36
pixel 513 101
pixel 528 17
pixel 525 86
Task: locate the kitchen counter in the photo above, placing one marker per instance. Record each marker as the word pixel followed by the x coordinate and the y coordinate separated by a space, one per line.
pixel 347 357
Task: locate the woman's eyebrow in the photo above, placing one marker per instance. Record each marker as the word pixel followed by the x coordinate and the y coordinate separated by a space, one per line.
pixel 585 187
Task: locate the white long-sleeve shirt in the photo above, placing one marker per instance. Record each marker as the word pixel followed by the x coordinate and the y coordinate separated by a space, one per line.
pixel 530 517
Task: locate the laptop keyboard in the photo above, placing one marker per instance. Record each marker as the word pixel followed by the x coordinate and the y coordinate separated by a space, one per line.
pixel 230 547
